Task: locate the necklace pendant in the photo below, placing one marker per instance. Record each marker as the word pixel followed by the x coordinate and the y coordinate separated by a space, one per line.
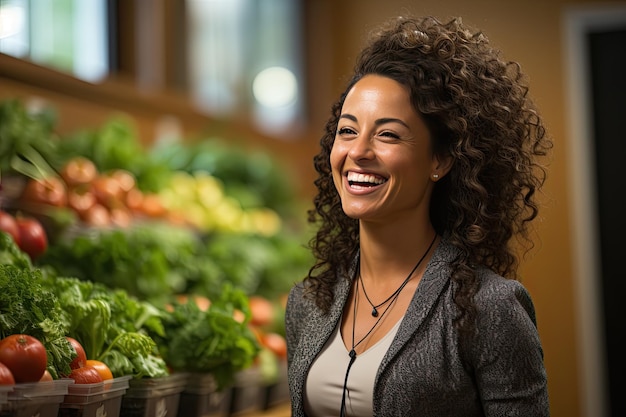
pixel 374 312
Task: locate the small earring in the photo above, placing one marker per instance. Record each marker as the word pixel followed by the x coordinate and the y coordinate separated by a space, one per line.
pixel 435 176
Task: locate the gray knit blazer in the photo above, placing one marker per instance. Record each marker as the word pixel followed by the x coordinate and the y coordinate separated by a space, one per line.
pixel 422 373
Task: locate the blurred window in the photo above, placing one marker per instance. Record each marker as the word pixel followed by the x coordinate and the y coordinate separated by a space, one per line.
pixel 245 58
pixel 67 35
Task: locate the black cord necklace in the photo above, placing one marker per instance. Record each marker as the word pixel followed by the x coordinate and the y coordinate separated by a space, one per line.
pixel 352 352
pixel 396 292
pixel 391 300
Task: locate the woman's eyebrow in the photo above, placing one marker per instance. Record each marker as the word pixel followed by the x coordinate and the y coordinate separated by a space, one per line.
pixel 378 122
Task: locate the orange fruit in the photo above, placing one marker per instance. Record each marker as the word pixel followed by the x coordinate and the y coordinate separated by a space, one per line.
pixel 102 368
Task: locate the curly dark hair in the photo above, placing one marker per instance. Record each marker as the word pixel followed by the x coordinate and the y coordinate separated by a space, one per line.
pixel 478 111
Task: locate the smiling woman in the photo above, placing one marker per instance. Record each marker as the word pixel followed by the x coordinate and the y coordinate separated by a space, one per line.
pixel 428 166
pixel 381 158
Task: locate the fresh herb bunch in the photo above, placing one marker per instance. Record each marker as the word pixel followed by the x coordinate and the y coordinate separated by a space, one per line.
pixel 27 307
pixel 217 340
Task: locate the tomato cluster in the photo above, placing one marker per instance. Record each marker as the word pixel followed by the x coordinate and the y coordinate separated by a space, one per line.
pixel 23 359
pixel 99 199
pixel 264 314
pixel 87 371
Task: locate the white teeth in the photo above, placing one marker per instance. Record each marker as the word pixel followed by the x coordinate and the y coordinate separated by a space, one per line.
pixel 365 178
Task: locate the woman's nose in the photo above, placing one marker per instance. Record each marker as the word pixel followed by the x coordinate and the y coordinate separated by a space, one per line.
pixel 361 148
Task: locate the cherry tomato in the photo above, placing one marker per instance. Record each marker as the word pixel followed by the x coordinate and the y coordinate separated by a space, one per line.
pixel 81 357
pixel 102 368
pixel 25 356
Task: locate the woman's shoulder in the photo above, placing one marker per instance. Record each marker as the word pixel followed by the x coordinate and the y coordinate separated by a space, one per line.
pixel 498 295
pixel 493 288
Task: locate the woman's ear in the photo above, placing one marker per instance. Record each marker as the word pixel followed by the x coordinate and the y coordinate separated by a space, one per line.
pixel 442 164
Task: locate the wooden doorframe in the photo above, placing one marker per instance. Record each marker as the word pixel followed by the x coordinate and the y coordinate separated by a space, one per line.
pixel 578 23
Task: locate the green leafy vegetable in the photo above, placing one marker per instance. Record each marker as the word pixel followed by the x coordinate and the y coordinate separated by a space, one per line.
pixel 112 326
pixel 211 341
pixel 27 141
pixel 10 254
pixel 26 307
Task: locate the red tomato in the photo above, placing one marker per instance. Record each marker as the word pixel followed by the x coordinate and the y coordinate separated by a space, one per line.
pixel 276 343
pixel 79 170
pixel 81 199
pixel 51 190
pixel 102 368
pixel 6 377
pixel 33 238
pixel 9 224
pixel 25 356
pixel 85 375
pixel 81 357
pixel 107 191
pixel 261 311
pixel 97 216
pixel 124 178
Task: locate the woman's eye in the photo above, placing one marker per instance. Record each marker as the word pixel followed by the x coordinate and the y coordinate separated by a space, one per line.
pixel 389 135
pixel 345 131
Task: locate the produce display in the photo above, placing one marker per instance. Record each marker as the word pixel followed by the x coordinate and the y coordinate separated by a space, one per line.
pixel 117 260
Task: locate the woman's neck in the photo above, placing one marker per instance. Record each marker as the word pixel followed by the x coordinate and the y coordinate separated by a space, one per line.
pixel 390 252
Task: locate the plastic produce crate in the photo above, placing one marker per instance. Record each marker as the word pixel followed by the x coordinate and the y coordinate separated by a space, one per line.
pixel 247 393
pixel 40 399
pixel 200 397
pixel 95 400
pixel 4 394
pixel 277 392
pixel 150 397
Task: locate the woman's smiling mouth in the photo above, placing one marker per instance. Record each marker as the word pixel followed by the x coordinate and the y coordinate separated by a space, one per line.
pixel 359 180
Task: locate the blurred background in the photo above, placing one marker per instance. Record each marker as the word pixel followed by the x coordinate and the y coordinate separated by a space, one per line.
pixel 263 74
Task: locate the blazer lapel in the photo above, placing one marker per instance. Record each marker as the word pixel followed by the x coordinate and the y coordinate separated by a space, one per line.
pixel 315 333
pixel 434 281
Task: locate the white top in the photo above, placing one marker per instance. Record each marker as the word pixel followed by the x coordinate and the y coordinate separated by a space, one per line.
pixel 324 384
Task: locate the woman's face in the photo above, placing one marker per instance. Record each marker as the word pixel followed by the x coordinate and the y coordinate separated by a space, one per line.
pixel 382 159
